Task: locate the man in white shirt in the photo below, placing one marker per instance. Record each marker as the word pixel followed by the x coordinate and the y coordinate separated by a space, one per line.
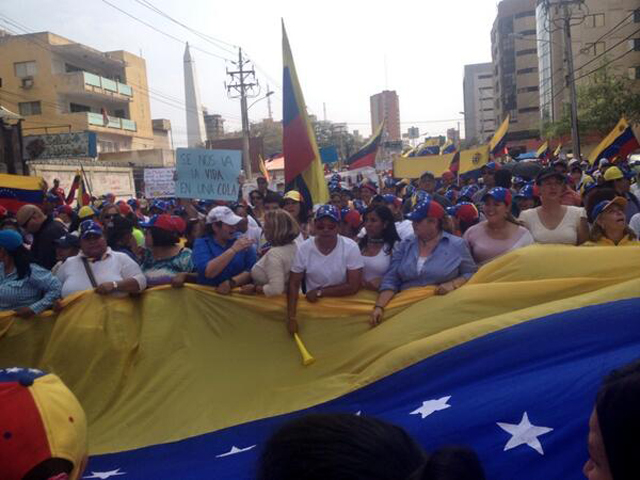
pixel 98 267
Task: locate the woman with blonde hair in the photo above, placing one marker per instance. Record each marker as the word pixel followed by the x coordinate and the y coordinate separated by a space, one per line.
pixel 500 232
pixel 271 274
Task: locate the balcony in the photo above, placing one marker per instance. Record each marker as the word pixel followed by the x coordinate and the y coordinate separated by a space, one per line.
pixel 89 85
pixel 97 122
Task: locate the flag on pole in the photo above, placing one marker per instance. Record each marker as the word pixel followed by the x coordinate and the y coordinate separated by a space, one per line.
pixel 303 169
pixel 19 190
pixel 263 169
pixel 431 146
pixel 557 151
pixel 366 156
pixel 448 147
pixel 544 151
pixel 497 146
pixel 619 143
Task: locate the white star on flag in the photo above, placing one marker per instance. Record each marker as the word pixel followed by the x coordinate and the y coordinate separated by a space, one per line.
pixel 235 450
pixel 524 433
pixel 105 475
pixel 431 406
pixel 13 370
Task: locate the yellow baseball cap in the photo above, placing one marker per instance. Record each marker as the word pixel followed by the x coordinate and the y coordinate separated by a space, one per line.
pixel 293 195
pixel 86 211
pixel 613 173
pixel 41 419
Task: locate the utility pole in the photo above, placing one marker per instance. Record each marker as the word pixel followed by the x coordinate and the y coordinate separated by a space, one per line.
pixel 244 89
pixel 575 134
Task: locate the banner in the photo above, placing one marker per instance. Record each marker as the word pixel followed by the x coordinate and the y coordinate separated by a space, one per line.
pixel 60 145
pixel 186 383
pixel 207 174
pixel 159 182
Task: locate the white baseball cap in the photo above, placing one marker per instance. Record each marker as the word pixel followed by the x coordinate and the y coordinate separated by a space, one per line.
pixel 224 215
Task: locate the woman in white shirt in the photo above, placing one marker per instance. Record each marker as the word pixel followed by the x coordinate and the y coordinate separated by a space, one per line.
pixel 376 246
pixel 553 222
pixel 330 265
pixel 271 274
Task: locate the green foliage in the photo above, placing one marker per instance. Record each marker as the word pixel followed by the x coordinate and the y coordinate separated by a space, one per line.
pixel 602 100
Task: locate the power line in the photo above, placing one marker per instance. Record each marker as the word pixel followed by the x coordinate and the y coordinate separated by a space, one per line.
pixel 608 50
pixel 610 31
pixel 162 31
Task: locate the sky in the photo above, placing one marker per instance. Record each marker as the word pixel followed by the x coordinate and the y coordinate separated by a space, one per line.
pixel 345 51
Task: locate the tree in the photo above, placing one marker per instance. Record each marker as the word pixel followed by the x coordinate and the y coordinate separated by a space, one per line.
pixel 602 101
pixel 271 133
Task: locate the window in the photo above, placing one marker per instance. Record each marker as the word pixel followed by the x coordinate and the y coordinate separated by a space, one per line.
pixel 528 51
pixel 71 68
pixel 634 73
pixel 634 44
pixel 530 13
pixel 25 69
pixel 636 15
pixel 529 110
pixel 528 89
pixel 525 33
pixel 524 71
pixel 594 49
pixel 76 107
pixel 594 21
pixel 484 77
pixel 29 108
pixel 487 109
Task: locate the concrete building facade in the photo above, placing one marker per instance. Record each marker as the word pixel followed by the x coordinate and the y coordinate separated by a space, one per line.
pixel 515 62
pixel 213 125
pixel 386 106
pixel 60 86
pixel 607 35
pixel 479 113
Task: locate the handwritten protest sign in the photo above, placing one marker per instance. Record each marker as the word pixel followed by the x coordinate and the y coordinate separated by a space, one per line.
pixel 159 182
pixel 207 174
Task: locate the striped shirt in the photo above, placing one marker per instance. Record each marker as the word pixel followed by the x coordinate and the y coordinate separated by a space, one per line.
pixel 37 291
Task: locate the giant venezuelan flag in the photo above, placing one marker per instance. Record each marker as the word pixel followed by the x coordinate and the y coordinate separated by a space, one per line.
pixel 19 190
pixel 303 168
pixel 188 384
pixel 620 142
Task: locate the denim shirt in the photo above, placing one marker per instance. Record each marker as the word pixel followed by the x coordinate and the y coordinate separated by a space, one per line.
pixel 206 249
pixel 450 259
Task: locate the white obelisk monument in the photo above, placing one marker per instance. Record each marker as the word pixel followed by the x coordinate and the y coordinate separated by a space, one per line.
pixel 195 118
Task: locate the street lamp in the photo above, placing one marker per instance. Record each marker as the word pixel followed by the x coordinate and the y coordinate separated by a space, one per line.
pixel 268 94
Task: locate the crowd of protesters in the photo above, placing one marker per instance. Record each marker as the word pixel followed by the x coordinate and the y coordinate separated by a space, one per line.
pixel 385 236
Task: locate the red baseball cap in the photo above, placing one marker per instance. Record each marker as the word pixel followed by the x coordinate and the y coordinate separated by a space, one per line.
pixel 353 218
pixel 41 419
pixel 170 223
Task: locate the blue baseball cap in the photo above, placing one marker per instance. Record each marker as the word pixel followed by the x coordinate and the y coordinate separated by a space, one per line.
pixel 493 166
pixel 465 211
pixel 10 240
pixel 427 209
pixel 159 204
pixel 360 206
pixel 328 211
pixel 604 204
pixel 451 195
pixel 527 191
pixel 389 182
pixel 499 194
pixel 469 191
pixel 150 223
pixel 89 227
pixel 422 196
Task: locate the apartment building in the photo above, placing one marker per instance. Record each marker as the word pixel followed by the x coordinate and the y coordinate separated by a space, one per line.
pixel 479 111
pixel 515 62
pixel 58 85
pixel 386 106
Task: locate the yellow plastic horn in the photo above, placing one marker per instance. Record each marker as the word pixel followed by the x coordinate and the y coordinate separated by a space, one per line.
pixel 307 359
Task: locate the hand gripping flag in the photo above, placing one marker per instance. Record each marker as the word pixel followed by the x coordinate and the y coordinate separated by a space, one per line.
pixel 303 168
pixel 619 143
pixel 188 384
pixel 366 156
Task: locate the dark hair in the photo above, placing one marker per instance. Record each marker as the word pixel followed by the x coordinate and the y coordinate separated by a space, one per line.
pixel 119 227
pixel 594 197
pixel 273 198
pixel 503 178
pixel 389 234
pixel 464 225
pixel 619 419
pixel 163 238
pixel 338 446
pixel 51 467
pixel 258 192
pixel 22 259
pixel 453 463
pixel 377 200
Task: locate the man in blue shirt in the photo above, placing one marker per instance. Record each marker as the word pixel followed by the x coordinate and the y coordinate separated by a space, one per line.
pixel 220 259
